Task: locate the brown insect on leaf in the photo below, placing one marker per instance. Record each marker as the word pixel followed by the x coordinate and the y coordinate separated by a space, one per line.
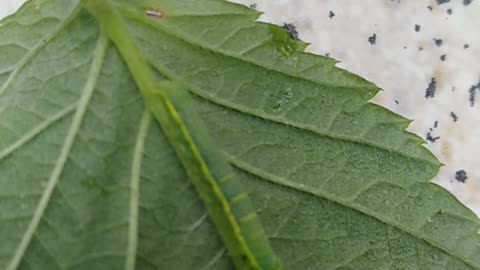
pixel 155 13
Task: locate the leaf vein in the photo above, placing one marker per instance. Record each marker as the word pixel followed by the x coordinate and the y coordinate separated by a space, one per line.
pixel 135 190
pixel 43 42
pixel 36 131
pixel 318 192
pixel 88 90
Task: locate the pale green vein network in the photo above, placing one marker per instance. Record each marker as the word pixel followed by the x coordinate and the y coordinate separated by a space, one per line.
pixel 87 93
pixel 37 130
pixel 30 54
pixel 135 190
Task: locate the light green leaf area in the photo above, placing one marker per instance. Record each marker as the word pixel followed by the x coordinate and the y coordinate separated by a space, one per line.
pixel 336 181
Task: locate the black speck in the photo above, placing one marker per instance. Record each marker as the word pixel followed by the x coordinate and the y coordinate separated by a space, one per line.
pixel 430 138
pixel 253 6
pixel 396 102
pixel 404 47
pixel 440 212
pixel 438 42
pixel 443 57
pixel 454 116
pixel 372 39
pixel 432 87
pixel 449 11
pixel 417 28
pixel 466 46
pixel 430 8
pixel 472 92
pixel 467 2
pixel 461 176
pixel 331 14
pixel 453 88
pixel 291 29
pixel 420 48
pixel 435 124
pixel 439 2
pixel 327 54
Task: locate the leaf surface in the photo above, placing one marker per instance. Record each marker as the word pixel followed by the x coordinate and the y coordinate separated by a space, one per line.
pixel 336 181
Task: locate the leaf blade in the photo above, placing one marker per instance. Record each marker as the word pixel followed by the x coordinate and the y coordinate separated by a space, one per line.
pixel 66 148
pixel 228 84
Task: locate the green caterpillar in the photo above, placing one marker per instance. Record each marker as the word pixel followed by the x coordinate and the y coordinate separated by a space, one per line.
pixel 227 202
pixel 228 205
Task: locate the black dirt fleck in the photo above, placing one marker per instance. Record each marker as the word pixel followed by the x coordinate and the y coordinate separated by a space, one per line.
pixel 438 42
pixel 466 46
pixel 372 39
pixel 331 14
pixel 253 6
pixel 443 57
pixel 472 92
pixel 439 2
pixel 432 87
pixel 420 48
pixel 461 176
pixel 467 2
pixel 396 102
pixel 454 116
pixel 291 29
pixel 449 11
pixel 430 138
pixel 430 8
pixel 435 124
pixel 417 28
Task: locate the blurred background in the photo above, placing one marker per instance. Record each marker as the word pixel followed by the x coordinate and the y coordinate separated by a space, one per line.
pixel 425 54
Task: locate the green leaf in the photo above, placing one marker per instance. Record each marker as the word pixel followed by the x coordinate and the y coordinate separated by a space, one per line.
pixel 87 183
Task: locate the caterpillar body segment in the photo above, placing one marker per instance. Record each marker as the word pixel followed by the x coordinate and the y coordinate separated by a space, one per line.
pixel 226 200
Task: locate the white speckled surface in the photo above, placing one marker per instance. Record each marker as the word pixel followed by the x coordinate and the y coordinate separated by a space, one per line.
pixel 7 7
pixel 396 64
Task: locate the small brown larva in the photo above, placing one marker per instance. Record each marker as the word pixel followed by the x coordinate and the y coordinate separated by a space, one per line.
pixel 153 13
